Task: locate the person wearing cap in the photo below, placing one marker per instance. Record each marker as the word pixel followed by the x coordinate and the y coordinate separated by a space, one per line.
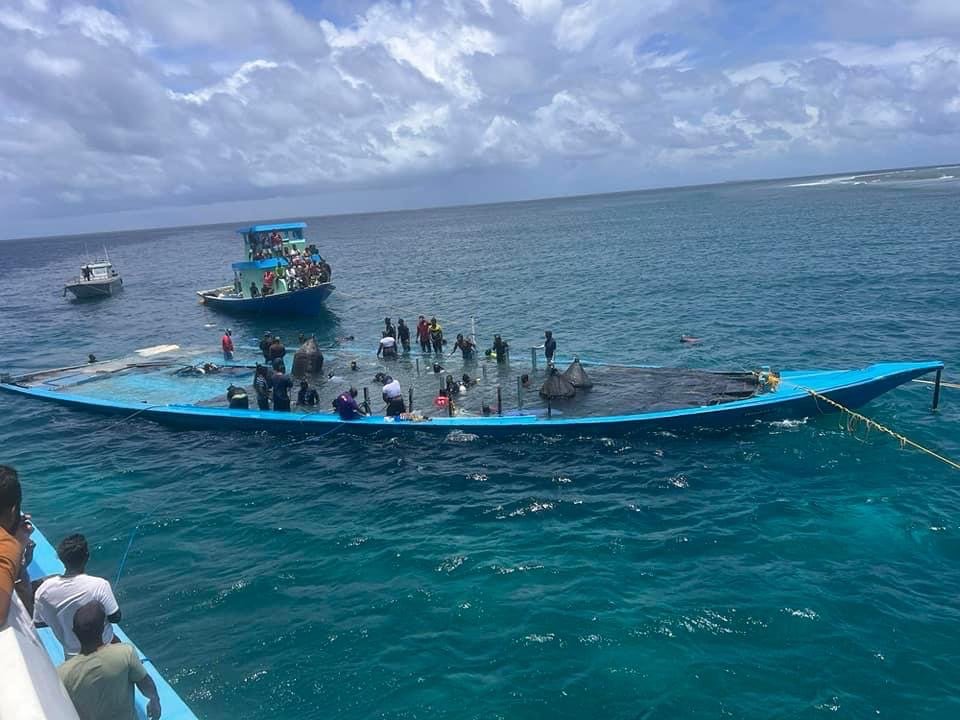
pixel 393 397
pixel 346 405
pixel 226 342
pixel 100 679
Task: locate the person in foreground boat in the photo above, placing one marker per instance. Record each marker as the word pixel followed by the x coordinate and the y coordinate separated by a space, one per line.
pixel 59 597
pixel 100 679
pixel 16 548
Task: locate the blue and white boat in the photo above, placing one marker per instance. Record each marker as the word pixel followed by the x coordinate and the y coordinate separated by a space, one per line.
pixel 622 399
pixel 29 685
pixel 280 274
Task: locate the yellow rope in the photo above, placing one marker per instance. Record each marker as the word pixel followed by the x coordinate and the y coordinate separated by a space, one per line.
pixel 855 418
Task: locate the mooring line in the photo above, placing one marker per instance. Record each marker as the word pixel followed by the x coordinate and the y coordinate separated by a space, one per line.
pixel 133 533
pixel 873 424
pixel 955 386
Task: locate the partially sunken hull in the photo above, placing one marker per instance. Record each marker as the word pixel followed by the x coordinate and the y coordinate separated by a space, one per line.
pixel 89 289
pixel 308 301
pixel 791 399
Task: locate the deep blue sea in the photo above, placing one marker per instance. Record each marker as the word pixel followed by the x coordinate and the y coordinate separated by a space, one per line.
pixel 793 570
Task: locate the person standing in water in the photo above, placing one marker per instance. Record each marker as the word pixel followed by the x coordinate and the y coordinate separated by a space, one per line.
pixel 387 347
pixel 261 385
pixel 389 329
pixel 393 397
pixel 436 336
pixel 226 342
pixel 346 405
pixel 403 335
pixel 281 391
pixel 549 346
pixel 466 346
pixel 423 334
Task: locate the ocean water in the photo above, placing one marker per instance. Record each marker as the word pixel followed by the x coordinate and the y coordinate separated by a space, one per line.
pixel 793 570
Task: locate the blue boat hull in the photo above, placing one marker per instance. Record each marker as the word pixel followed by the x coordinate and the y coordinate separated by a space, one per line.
pixel 792 400
pixel 308 301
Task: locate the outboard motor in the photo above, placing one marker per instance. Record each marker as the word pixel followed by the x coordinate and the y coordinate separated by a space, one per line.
pixel 577 376
pixel 557 386
pixel 308 360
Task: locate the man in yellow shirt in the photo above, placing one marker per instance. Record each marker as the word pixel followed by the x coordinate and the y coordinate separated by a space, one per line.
pixel 100 679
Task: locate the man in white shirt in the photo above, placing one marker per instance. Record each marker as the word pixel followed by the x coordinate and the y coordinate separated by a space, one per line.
pixel 388 347
pixel 59 596
pixel 393 397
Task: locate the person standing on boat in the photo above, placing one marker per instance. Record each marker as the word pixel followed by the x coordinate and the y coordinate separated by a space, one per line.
pixel 436 336
pixel 549 346
pixel 226 342
pixel 403 335
pixel 261 386
pixel 281 391
pixel 254 292
pixel 16 553
pixel 277 350
pixel 100 679
pixel 393 397
pixel 423 334
pixel 59 597
pixel 265 346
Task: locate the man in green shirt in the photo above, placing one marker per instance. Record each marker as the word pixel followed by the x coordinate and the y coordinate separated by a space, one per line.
pixel 100 679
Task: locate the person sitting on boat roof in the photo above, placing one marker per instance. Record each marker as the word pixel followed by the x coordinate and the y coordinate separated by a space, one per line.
pixel 60 596
pixel 100 679
pixel 466 346
pixel 226 343
pixel 403 335
pixel 387 347
pixel 307 396
pixel 436 336
pixel 282 384
pixel 393 397
pixel 346 405
pixel 261 386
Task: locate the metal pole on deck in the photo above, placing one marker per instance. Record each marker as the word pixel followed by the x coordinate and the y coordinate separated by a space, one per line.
pixel 410 404
pixel 366 399
pixel 936 389
pixel 519 394
pixel 499 402
pixel 533 358
pixel 449 406
pixel 549 408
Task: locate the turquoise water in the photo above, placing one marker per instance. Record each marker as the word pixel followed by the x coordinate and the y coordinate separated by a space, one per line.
pixel 794 570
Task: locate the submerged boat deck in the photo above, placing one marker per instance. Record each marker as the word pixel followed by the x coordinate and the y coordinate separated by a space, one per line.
pixel 622 399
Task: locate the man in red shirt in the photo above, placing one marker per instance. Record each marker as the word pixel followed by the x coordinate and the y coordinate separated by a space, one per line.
pixel 423 334
pixel 226 342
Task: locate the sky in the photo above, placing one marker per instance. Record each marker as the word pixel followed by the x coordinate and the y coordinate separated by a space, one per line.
pixel 146 113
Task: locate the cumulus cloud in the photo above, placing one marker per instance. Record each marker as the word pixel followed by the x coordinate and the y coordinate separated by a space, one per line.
pixel 142 104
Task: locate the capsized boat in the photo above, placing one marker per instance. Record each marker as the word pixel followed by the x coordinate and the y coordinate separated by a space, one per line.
pixel 29 686
pixel 186 389
pixel 97 280
pixel 280 274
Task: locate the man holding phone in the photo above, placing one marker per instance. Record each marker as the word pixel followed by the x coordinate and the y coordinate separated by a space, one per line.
pixel 16 548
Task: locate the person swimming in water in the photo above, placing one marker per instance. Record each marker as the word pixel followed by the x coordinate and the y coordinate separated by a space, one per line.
pixel 690 339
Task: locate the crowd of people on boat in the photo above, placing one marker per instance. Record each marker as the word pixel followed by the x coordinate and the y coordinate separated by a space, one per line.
pixel 99 671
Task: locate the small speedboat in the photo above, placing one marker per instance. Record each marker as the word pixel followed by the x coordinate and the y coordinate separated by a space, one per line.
pixel 97 279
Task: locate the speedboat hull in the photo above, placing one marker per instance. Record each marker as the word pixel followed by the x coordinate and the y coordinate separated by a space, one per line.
pixel 307 301
pixel 800 394
pixel 90 289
